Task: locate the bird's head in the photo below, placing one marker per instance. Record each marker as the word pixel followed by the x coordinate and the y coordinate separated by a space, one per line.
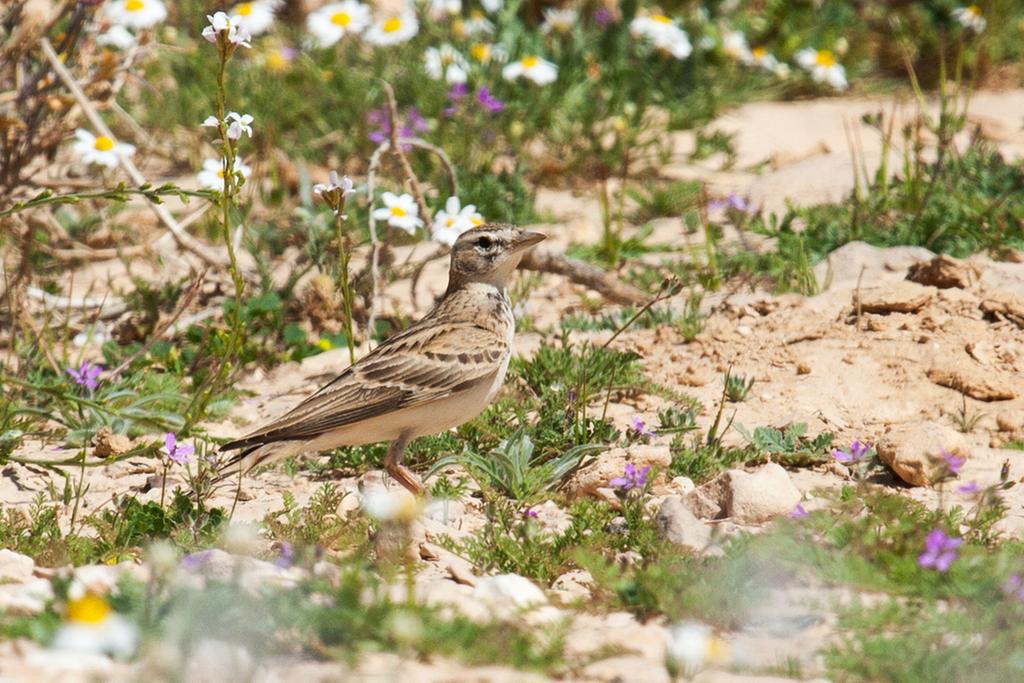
pixel 489 254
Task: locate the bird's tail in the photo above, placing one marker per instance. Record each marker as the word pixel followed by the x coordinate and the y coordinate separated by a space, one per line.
pixel 255 455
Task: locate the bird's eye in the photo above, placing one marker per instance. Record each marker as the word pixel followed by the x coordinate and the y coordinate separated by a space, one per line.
pixel 484 242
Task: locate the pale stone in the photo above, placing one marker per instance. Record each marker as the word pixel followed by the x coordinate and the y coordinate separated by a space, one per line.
pixel 680 526
pixel 761 496
pixel 508 594
pixel 15 567
pixel 627 669
pixel 897 297
pixel 681 485
pixel 573 586
pixel 914 451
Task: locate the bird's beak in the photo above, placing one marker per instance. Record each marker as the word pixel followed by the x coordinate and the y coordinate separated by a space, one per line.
pixel 527 240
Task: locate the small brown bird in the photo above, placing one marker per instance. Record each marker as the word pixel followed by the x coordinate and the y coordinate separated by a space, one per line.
pixel 439 373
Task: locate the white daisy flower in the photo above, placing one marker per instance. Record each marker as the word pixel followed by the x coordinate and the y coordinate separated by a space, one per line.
pixel 446 62
pixel 400 212
pixel 559 20
pixel 692 645
pixel 395 505
pixel 454 220
pixel 664 33
pixel 331 23
pixel 477 25
pixel 92 627
pixel 823 67
pixel 394 29
pixel 255 17
pixel 492 6
pixel 536 69
pixel 212 175
pixel 760 57
pixel 221 23
pixel 117 36
pixel 485 53
pixel 102 150
pixel 136 13
pixel 439 9
pixel 971 17
pixel 735 45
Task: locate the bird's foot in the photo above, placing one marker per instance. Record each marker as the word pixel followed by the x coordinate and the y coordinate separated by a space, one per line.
pixel 404 476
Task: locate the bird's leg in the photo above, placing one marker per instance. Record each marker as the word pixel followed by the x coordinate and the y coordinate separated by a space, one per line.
pixel 393 464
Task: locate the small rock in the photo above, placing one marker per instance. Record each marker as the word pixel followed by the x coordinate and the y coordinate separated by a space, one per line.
pixel 447 512
pixel 761 496
pixel 1006 423
pixel 680 526
pixel 508 594
pixel 106 443
pixel 573 586
pixel 551 517
pixel 25 598
pixel 15 567
pixel 966 375
pixel 803 369
pixel 627 669
pixel 618 526
pixel 944 272
pixel 612 463
pixel 629 558
pixel 707 501
pixel 1003 306
pixel 681 485
pixel 914 451
pixel 899 297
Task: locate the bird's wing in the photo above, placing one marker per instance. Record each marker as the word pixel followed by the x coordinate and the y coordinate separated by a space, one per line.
pixel 420 365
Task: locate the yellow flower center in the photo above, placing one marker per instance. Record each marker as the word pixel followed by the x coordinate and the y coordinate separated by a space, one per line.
pixel 760 52
pixel 276 61
pixel 480 51
pixel 450 222
pixel 392 25
pixel 89 609
pixel 245 9
pixel 825 58
pixel 104 144
pixel 477 221
pixel 134 5
pixel 398 212
pixel 220 173
pixel 341 19
pixel 530 62
pixel 974 11
pixel 325 344
pixel 459 28
pixel 661 19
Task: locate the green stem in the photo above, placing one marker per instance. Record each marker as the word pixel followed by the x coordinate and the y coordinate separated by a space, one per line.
pixel 344 253
pixel 121 194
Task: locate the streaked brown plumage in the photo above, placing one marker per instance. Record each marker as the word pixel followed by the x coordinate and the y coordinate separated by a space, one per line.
pixel 439 373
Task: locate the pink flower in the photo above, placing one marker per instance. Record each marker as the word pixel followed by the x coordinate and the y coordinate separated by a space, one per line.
pixel 940 551
pixel 179 453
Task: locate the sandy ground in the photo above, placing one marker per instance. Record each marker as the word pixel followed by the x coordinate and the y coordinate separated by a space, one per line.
pixel 815 361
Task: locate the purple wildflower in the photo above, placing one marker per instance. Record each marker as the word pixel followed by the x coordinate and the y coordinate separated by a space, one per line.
pixel 381 120
pixel 856 453
pixel 799 512
pixel 1014 587
pixel 969 489
pixel 733 201
pixel 195 561
pixel 631 479
pixel 489 102
pixel 286 555
pixel 87 375
pixel 955 462
pixel 532 514
pixel 640 427
pixel 458 91
pixel 179 453
pixel 604 16
pixel 940 551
